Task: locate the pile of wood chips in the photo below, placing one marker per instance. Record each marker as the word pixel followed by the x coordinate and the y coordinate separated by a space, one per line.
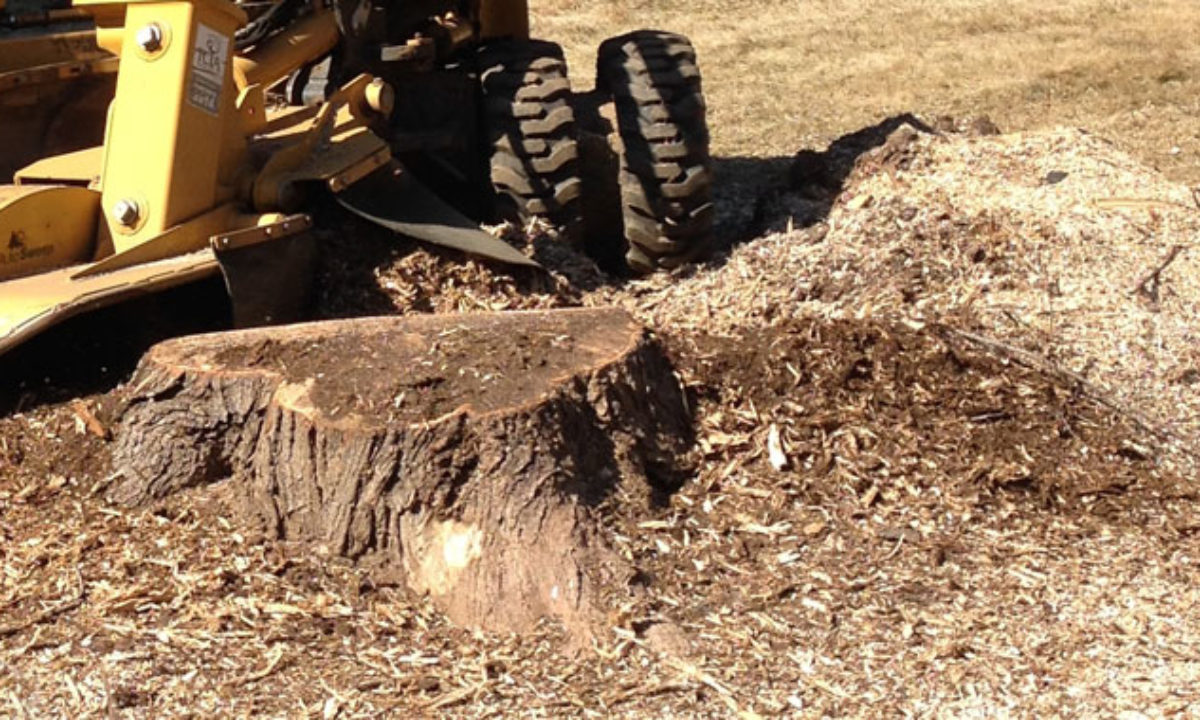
pixel 944 467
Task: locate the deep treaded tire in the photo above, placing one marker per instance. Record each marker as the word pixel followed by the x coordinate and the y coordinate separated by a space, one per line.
pixel 530 128
pixel 666 169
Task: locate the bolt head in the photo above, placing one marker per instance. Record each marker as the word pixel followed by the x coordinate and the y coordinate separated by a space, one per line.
pixel 380 97
pixel 149 38
pixel 126 212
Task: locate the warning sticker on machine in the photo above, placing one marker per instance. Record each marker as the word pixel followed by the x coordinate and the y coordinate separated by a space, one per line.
pixel 209 58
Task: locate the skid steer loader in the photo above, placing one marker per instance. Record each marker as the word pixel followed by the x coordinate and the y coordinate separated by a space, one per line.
pixel 226 120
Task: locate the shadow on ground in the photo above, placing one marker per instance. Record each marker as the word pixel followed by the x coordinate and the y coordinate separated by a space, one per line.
pixel 93 352
pixel 760 195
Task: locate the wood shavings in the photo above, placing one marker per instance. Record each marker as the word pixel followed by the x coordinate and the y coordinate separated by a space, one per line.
pixel 775 453
pixel 962 528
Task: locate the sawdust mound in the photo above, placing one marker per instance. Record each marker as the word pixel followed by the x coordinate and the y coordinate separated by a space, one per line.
pixel 1057 246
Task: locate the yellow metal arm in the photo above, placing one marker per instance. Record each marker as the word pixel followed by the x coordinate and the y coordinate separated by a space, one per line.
pixel 288 51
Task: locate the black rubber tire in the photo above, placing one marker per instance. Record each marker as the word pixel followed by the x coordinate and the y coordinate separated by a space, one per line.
pixel 530 128
pixel 665 166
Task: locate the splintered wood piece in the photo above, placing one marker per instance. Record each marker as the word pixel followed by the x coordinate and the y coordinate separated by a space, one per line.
pixel 473 453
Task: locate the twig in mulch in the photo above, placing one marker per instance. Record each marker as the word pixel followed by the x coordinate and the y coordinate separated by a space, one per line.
pixel 1148 286
pixel 272 665
pixel 895 550
pixel 726 695
pixel 642 691
pixel 89 420
pixel 15 700
pixel 454 697
pixel 1085 388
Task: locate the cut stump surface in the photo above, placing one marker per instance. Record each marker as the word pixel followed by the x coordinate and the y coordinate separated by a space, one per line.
pixel 473 453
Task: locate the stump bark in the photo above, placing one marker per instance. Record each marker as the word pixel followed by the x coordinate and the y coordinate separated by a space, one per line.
pixel 473 453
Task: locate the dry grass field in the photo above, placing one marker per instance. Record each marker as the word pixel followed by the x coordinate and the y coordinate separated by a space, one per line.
pixel 785 75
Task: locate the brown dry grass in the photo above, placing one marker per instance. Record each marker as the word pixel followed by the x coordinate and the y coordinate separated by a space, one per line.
pixel 786 75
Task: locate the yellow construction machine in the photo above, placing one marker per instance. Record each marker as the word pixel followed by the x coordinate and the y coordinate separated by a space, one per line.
pixel 55 82
pixel 226 120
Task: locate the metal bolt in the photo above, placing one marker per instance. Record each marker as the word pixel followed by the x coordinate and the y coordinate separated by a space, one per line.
pixel 126 212
pixel 150 38
pixel 380 97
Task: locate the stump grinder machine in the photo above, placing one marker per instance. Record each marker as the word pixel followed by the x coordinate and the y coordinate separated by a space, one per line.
pixel 194 136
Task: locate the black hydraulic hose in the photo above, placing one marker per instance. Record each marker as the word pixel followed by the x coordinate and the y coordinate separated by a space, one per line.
pixel 279 16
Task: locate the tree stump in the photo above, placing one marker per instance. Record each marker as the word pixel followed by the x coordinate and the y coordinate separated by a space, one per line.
pixel 476 454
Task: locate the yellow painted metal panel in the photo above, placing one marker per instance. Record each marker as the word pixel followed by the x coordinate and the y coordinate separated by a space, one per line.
pixel 81 167
pixel 184 238
pixel 45 227
pixel 33 304
pixel 167 127
pixel 294 47
pixel 75 48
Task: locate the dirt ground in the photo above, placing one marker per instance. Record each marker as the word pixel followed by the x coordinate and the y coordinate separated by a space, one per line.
pixel 944 400
pixel 898 504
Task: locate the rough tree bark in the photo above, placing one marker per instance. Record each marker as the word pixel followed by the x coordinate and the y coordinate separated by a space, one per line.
pixel 474 453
